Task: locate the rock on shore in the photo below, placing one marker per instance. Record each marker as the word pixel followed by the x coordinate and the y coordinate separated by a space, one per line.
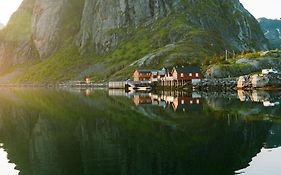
pixel 259 81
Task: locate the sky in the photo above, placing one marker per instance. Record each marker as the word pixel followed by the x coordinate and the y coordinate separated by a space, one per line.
pixel 259 8
pixel 263 8
pixel 7 8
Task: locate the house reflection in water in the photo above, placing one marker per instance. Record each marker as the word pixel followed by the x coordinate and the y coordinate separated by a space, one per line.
pixel 142 100
pixel 187 104
pixel 179 102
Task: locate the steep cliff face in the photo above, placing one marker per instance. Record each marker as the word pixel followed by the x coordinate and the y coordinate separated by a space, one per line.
pixel 228 19
pixel 102 19
pixel 119 32
pixel 38 29
pixel 272 31
pixel 54 21
pixel 16 45
pixel 46 21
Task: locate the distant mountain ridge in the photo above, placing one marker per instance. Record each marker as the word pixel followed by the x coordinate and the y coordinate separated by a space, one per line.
pixel 272 31
pixel 105 39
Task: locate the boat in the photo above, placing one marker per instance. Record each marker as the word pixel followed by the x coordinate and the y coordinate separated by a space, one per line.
pixel 143 88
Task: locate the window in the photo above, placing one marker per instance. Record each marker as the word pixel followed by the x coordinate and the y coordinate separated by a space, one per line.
pixel 191 102
pixel 197 75
pixel 197 101
pixel 181 74
pixel 190 74
pixel 182 101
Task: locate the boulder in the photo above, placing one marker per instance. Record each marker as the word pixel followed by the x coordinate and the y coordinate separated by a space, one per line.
pixel 259 81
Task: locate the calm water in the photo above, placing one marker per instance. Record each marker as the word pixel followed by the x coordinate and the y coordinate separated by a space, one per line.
pixel 85 132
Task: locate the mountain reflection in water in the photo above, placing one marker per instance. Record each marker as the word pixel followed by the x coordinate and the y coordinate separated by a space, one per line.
pixel 71 132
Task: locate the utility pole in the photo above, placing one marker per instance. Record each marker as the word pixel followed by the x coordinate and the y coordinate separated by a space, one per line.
pixel 226 52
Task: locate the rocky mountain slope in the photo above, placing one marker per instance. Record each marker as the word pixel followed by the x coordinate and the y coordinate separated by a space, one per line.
pixel 272 31
pixel 70 39
pixel 246 64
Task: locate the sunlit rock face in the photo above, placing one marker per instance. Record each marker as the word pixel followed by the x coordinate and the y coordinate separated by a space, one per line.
pixel 46 23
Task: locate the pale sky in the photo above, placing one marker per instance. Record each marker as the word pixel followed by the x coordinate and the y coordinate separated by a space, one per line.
pixel 259 8
pixel 263 8
pixel 7 7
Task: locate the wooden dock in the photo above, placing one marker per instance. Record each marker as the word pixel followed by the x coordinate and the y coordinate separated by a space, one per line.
pixel 117 85
pixel 82 84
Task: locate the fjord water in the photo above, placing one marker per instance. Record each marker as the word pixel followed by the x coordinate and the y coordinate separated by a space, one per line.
pixel 85 132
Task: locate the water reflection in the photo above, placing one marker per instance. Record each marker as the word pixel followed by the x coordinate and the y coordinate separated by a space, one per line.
pixel 178 101
pixel 63 132
pixel 267 161
pixel 258 96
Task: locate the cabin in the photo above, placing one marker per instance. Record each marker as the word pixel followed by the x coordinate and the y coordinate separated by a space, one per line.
pixel 269 71
pixel 187 73
pixel 161 74
pixel 142 75
pixel 87 80
pixel 154 76
pixel 168 74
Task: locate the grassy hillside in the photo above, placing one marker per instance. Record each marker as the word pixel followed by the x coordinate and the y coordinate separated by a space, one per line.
pixel 155 40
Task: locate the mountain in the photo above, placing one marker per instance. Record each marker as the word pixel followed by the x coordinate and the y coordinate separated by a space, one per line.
pixel 70 39
pixel 272 31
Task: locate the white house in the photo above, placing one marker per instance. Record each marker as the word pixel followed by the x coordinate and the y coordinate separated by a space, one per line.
pixel 269 71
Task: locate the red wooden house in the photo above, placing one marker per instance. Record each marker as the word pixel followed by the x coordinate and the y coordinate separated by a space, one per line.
pixel 187 73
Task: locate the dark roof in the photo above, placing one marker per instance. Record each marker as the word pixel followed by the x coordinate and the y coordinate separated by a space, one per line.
pixel 188 69
pixel 169 69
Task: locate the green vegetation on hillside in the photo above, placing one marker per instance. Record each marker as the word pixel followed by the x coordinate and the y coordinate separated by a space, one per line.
pixel 64 65
pixel 190 45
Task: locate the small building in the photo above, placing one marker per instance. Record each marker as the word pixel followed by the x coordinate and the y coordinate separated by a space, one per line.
pixel 269 71
pixel 154 76
pixel 87 80
pixel 161 74
pixel 187 73
pixel 142 75
pixel 168 74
